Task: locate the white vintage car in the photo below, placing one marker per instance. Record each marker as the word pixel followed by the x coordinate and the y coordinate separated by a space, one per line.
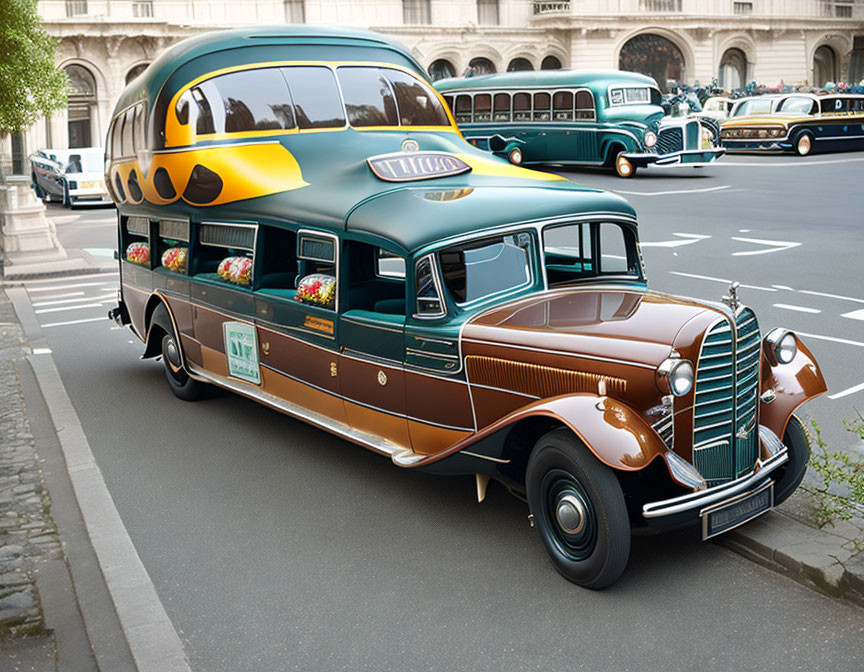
pixel 70 176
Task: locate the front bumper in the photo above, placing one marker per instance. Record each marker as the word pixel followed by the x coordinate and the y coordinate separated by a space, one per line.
pixel 89 196
pixel 692 505
pixel 689 157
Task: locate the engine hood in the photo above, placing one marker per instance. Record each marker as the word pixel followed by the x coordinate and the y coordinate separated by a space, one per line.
pixel 625 325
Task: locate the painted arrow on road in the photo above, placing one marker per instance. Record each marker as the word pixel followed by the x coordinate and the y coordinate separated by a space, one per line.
pixel 687 239
pixel 774 245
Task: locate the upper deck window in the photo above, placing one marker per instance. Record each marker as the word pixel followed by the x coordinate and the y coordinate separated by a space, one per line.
pixel 634 95
pixel 562 105
pixel 542 106
pixel 797 105
pixel 522 107
pixel 316 97
pixel 502 107
pixel 482 268
pixel 483 107
pixel 463 109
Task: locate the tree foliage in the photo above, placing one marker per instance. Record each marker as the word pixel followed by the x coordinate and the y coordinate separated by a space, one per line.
pixel 31 85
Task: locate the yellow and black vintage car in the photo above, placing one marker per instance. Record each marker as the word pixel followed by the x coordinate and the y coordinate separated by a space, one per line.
pixel 800 122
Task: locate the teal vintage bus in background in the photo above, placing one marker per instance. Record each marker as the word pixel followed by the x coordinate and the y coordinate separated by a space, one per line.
pixel 593 118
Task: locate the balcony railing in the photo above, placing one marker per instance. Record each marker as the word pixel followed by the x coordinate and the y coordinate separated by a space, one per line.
pixel 551 7
pixel 779 9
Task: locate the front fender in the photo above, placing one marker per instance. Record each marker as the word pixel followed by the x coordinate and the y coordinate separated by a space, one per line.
pixel 793 383
pixel 616 434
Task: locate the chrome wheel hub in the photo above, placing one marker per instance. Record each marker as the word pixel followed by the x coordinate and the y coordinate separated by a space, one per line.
pixel 570 514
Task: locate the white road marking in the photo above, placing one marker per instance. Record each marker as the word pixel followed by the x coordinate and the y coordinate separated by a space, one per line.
pixel 100 251
pixel 727 282
pixel 688 239
pixel 57 310
pixel 63 324
pixel 667 193
pixel 41 351
pixel 78 284
pixel 847 392
pixel 831 296
pixel 62 301
pixel 855 315
pixel 744 230
pixel 63 296
pixel 800 309
pixel 87 276
pixel 833 339
pixel 783 287
pixel 775 246
pixel 788 164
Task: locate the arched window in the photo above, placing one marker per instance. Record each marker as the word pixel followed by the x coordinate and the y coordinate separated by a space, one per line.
pixel 654 56
pixel 481 66
pixel 81 100
pixel 733 69
pixel 519 65
pixel 824 66
pixel 134 72
pixel 441 69
pixel 550 63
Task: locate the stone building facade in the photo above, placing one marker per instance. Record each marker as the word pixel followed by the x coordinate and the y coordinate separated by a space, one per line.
pixel 105 43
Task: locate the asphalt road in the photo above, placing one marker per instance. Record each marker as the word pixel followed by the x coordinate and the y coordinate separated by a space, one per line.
pixel 275 546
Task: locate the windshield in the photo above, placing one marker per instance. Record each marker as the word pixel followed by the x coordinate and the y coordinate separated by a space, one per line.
pixel 85 163
pixel 797 105
pixel 634 95
pixel 482 268
pixel 586 250
pixel 753 107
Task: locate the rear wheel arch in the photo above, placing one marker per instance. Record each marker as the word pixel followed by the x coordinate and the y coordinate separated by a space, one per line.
pixel 157 323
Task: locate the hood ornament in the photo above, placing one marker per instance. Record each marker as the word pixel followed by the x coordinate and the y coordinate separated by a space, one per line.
pixel 732 299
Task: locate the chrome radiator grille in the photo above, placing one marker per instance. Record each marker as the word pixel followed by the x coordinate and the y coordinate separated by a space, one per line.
pixel 725 423
pixel 670 140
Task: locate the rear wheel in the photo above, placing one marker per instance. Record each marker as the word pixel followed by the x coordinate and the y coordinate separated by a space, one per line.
pixel 624 167
pixel 804 144
pixel 181 384
pixel 579 510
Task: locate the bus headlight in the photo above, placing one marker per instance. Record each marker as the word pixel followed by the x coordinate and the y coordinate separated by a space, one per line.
pixel 650 139
pixel 783 345
pixel 677 374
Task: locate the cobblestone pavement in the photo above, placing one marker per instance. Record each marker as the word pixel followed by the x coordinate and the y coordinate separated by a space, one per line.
pixel 27 532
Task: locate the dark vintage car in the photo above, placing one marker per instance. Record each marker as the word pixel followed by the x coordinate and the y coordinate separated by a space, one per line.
pixel 340 254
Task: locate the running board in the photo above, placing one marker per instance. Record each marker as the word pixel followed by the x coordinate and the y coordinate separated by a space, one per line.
pixel 400 455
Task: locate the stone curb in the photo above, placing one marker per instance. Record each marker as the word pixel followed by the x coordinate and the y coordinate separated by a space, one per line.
pixel 815 558
pixel 151 636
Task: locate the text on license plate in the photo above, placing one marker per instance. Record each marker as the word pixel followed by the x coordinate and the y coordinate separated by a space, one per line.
pixel 727 515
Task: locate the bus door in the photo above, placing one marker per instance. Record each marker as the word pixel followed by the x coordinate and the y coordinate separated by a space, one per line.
pixel 371 336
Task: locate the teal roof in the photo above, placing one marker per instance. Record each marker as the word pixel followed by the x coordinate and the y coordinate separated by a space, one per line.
pixel 267 37
pixel 598 80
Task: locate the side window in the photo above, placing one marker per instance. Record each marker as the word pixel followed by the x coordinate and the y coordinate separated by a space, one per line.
pixel 116 133
pixel 502 107
pixel 317 103
pixel 428 302
pixel 834 105
pixel 613 249
pixel 210 117
pixel 418 105
pixel 483 107
pixel 140 128
pixel 542 106
pixel 562 106
pixel 585 105
pixel 251 100
pixel 369 99
pixel 375 279
pixel 173 245
pixel 449 101
pixel 135 235
pixel 127 141
pixel 277 261
pixel 317 264
pixel 482 268
pixel 225 253
pixel 463 109
pixel 522 107
pixel 567 253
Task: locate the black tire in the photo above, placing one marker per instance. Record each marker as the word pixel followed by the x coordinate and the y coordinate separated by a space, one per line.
pixel 67 199
pixel 790 475
pixel 181 384
pixel 566 484
pixel 804 143
pixel 39 193
pixel 624 168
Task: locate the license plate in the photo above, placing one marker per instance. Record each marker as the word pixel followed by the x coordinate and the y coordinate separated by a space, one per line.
pixel 733 512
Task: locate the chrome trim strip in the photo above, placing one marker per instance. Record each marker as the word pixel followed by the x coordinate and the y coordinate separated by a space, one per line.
pixel 698 500
pixel 484 457
pixel 362 322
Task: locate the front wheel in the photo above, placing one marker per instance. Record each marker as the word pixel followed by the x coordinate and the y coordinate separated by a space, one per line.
pixel 67 199
pixel 624 167
pixel 790 475
pixel 515 156
pixel 579 511
pixel 804 144
pixel 181 384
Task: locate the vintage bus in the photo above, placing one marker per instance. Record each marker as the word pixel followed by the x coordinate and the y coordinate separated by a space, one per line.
pixel 301 222
pixel 573 117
